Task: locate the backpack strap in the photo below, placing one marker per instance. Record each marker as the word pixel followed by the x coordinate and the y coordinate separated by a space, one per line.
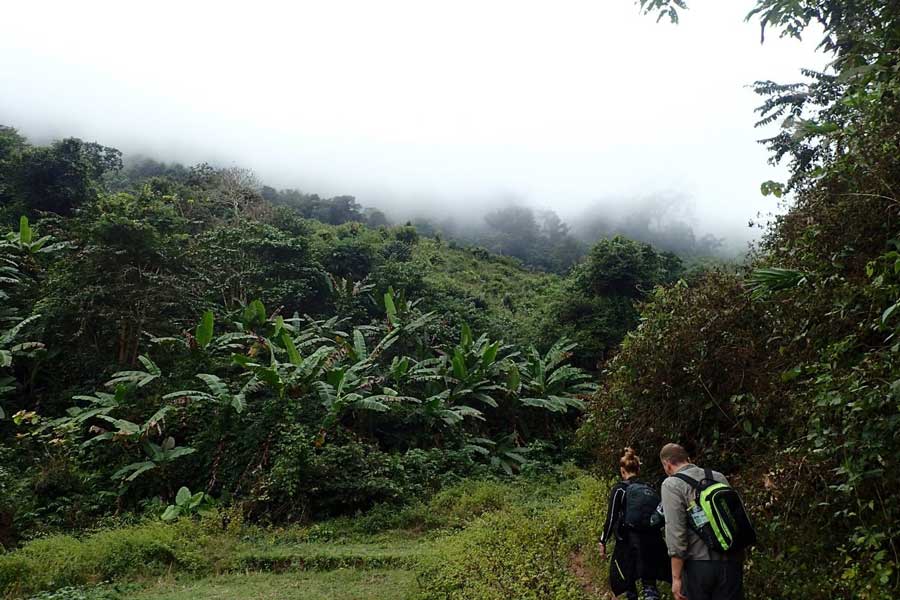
pixel 708 475
pixel 695 485
pixel 688 480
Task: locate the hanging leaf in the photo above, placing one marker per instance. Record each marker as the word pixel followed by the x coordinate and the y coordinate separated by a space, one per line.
pixel 459 365
pixel 204 333
pixel 513 379
pixel 465 336
pixel 890 310
pixel 489 355
pixel 293 353
pixel 359 345
pixel 390 308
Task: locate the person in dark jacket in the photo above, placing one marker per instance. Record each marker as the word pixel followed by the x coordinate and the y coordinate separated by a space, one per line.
pixel 638 555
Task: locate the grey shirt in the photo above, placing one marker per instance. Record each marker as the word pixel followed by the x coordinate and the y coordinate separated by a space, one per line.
pixel 677 495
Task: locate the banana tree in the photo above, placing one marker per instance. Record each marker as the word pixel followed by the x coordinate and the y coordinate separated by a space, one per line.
pixel 138 378
pixel 505 453
pixel 157 456
pixel 474 369
pixel 24 240
pixel 348 389
pixel 546 382
pixel 11 332
pixel 218 393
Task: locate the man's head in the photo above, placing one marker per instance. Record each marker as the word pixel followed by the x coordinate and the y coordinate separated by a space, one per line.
pixel 673 457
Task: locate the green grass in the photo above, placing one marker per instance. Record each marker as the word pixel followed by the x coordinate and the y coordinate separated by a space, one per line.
pixel 340 584
pixel 379 553
pixel 478 540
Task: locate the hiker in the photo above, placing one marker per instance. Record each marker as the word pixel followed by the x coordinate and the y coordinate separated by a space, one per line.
pixel 707 564
pixel 635 520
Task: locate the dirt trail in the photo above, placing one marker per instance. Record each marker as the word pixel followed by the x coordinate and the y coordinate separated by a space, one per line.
pixel 586 579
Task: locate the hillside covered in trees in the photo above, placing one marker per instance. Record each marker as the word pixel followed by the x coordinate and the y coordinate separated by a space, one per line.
pixel 176 321
pixel 209 384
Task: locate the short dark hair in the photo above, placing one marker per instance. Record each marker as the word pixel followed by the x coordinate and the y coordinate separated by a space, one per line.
pixel 673 453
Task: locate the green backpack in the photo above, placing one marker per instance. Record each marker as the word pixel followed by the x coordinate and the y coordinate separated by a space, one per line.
pixel 717 515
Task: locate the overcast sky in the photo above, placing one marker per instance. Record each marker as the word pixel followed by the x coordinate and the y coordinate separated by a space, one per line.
pixel 415 103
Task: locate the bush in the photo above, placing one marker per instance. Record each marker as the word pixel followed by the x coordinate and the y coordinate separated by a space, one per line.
pixel 523 551
pixel 147 549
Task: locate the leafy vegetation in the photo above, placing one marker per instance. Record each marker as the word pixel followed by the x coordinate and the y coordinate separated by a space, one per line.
pixel 786 374
pixel 175 328
pixel 189 357
pixel 417 549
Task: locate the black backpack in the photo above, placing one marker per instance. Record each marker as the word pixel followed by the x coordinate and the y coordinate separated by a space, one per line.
pixel 641 508
pixel 717 515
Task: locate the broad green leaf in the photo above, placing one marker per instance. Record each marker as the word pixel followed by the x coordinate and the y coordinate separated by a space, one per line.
pixel 390 308
pixel 25 233
pixel 359 345
pixel 204 334
pixel 179 452
pixel 459 365
pixel 37 245
pixel 171 513
pixel 516 457
pixel 137 468
pixel 293 353
pixel 371 404
pixel 155 419
pixel 149 365
pixel 183 496
pixel 124 427
pixel 218 387
pixel 513 379
pixel 465 336
pixel 486 399
pixel 489 355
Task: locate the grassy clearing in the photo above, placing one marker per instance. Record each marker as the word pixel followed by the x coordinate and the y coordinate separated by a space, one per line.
pixel 480 540
pixel 379 553
pixel 340 584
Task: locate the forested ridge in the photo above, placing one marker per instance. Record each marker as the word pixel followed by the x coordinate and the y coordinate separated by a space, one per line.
pixel 202 374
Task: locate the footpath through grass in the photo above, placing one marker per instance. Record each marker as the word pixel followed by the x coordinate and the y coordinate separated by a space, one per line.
pixel 480 540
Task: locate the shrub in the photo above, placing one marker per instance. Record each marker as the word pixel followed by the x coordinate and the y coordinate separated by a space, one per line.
pixel 147 549
pixel 520 552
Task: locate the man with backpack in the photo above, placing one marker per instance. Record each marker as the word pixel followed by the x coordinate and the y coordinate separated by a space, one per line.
pixel 634 522
pixel 707 530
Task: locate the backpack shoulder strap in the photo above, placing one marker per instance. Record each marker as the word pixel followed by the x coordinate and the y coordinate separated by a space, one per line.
pixel 708 475
pixel 695 485
pixel 688 480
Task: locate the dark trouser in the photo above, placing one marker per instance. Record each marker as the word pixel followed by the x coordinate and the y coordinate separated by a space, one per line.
pixel 714 580
pixel 650 591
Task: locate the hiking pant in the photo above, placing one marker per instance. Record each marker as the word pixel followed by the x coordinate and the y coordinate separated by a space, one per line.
pixel 650 590
pixel 714 580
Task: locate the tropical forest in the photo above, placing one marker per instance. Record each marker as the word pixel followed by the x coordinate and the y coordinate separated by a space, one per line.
pixel 213 385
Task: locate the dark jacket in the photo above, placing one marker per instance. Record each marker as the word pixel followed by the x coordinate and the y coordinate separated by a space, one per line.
pixel 638 555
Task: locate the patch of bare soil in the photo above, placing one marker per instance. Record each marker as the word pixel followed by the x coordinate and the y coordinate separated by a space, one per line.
pixel 586 578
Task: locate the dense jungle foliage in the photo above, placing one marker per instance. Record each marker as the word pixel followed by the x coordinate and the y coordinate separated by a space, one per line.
pixel 787 376
pixel 179 338
pixel 168 327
